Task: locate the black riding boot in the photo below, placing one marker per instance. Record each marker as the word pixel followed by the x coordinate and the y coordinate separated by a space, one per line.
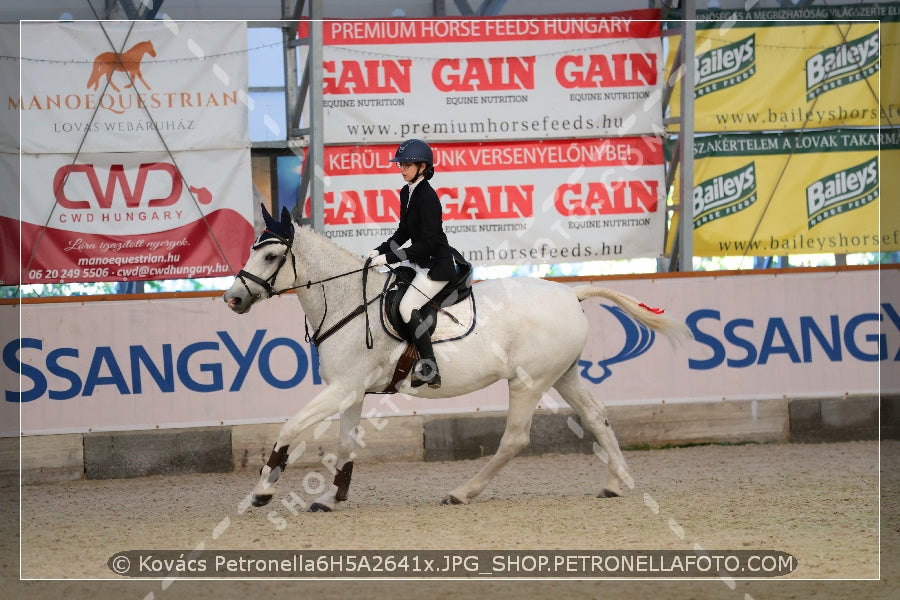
pixel 425 370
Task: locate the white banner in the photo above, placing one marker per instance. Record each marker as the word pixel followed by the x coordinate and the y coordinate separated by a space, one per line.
pixel 98 366
pixel 9 154
pixel 505 202
pixel 181 81
pixel 124 216
pixel 9 83
pixel 562 76
pixel 135 155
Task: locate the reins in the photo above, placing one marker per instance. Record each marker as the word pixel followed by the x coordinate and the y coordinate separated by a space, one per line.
pixel 319 336
pixel 266 284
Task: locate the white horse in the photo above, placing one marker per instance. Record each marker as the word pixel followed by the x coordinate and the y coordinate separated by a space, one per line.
pixel 529 332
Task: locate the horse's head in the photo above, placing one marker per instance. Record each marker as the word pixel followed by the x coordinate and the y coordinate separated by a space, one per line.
pixel 146 47
pixel 271 268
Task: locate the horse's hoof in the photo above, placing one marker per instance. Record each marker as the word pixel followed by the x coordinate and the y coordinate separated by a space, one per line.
pixel 608 494
pixel 318 507
pixel 451 499
pixel 261 499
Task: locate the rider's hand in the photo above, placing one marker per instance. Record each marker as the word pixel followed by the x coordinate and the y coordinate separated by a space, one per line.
pixel 378 261
pixel 372 254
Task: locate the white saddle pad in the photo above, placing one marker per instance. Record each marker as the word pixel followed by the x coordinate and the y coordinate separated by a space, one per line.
pixel 446 329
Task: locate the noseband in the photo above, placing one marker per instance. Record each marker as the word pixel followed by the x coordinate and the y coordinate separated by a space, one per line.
pixel 267 284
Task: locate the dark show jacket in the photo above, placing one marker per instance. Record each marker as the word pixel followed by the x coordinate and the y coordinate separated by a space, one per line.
pixel 421 222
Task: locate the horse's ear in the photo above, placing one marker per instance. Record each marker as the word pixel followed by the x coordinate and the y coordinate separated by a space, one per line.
pixel 266 216
pixel 286 221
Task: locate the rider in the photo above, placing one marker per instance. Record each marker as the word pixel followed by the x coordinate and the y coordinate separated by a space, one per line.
pixel 429 253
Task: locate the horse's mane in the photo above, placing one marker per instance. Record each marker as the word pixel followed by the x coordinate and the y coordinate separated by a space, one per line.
pixel 141 47
pixel 309 231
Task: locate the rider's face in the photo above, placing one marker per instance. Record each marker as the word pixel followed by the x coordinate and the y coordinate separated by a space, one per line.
pixel 408 170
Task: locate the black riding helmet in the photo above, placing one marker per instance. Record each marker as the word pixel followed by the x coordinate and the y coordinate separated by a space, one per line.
pixel 416 151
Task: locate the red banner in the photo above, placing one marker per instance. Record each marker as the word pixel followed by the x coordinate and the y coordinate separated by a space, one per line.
pixel 135 161
pixel 134 216
pixel 180 253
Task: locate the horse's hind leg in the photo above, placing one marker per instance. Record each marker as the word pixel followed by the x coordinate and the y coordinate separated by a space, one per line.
pixel 593 414
pixel 522 402
pixel 137 75
pixel 344 464
pixel 109 78
pixel 333 399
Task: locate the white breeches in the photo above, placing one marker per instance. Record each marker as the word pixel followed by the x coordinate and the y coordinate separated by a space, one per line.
pixel 421 291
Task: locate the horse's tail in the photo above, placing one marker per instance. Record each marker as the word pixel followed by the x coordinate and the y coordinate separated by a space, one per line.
pixel 673 329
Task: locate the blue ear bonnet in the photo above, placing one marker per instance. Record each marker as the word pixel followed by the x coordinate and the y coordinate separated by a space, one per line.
pixel 282 231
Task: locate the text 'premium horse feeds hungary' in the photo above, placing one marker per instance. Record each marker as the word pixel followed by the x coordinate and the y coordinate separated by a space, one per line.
pixel 530 332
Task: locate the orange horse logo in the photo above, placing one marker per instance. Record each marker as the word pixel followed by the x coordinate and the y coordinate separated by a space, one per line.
pixel 128 62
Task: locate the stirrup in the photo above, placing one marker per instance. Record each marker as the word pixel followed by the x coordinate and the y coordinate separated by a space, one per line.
pixel 426 371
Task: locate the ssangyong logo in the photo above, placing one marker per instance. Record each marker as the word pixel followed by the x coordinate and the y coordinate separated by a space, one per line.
pixel 842 192
pixel 725 195
pixel 725 67
pixel 638 339
pixel 842 65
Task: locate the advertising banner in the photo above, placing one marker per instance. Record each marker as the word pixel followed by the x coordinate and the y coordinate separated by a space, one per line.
pixel 809 69
pixel 100 366
pixel 9 156
pixel 796 193
pixel 135 153
pixel 507 203
pixel 461 79
pixel 135 216
pixel 180 81
pixel 10 245
pixel 9 83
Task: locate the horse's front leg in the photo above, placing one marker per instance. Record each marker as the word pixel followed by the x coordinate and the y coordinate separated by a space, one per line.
pixel 333 399
pixel 327 502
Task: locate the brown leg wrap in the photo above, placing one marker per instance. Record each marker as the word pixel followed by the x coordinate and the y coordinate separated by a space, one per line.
pixel 278 458
pixel 342 481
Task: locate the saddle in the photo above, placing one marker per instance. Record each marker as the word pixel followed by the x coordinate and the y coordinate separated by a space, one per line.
pixel 451 314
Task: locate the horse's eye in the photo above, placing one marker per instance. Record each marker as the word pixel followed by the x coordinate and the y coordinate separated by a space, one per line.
pixel 271 256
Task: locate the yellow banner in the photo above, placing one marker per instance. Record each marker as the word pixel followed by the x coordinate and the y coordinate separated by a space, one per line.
pixel 796 193
pixel 775 75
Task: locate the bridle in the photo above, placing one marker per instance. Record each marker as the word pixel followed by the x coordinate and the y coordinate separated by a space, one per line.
pixel 318 336
pixel 267 285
